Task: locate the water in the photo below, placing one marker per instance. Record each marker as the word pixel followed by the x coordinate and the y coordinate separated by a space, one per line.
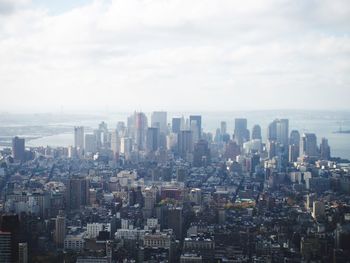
pixel 323 123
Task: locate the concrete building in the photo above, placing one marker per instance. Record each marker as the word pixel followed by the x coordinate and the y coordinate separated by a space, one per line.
pixel 23 252
pixel 79 137
pixel 159 120
pixel 5 247
pixel 60 230
pixel 18 149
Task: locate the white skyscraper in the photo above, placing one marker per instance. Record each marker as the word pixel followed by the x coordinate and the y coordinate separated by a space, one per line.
pixel 79 137
pixel 282 127
pixel 308 145
pixel 115 142
pixel 125 145
pixel 159 120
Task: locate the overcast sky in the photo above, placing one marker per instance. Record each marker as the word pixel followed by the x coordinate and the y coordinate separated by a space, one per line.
pixel 176 55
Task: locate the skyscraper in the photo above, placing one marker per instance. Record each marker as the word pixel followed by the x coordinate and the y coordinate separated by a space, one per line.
pixel 126 146
pixel 277 135
pixel 185 143
pixel 18 149
pixel 282 132
pixel 90 143
pixel 294 146
pixel 318 209
pixel 115 143
pixel 176 125
pixel 175 220
pixel 241 132
pixel 325 150
pixel 152 139
pixel 140 130
pixel 223 127
pixel 23 252
pixel 194 130
pixel 308 145
pixel 294 138
pixel 197 119
pixel 272 131
pixel 278 131
pixel 79 137
pixel 201 154
pixel 159 120
pixel 10 223
pixel 60 230
pixel 256 132
pixel 5 247
pixel 77 192
pixel 103 134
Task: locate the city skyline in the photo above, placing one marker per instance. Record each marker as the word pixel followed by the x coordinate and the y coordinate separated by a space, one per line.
pixel 143 131
pixel 193 56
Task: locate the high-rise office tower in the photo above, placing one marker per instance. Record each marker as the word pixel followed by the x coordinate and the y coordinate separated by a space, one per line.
pixel 277 135
pixel 152 142
pixel 77 192
pixel 201 154
pixel 283 132
pixel 176 125
pixel 278 131
pixel 294 146
pixel 125 146
pixel 293 153
pixel 140 130
pixel 130 127
pixel 185 143
pixel 241 132
pixel 150 200
pixel 98 141
pixel 5 247
pixel 223 127
pixel 318 209
pixel 103 135
pixel 175 220
pixel 272 131
pixel 194 130
pixel 256 132
pixel 325 150
pixel 90 143
pixel 294 138
pixel 18 149
pixel 23 252
pixel 159 120
pixel 308 145
pixel 79 137
pixel 10 223
pixel 218 136
pixel 272 148
pixel 183 125
pixel 60 230
pixel 115 143
pixel 198 120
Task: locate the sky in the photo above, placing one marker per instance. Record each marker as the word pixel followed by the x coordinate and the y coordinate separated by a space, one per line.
pixel 176 55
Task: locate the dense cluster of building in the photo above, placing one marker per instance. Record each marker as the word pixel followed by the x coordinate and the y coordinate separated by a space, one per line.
pixel 171 192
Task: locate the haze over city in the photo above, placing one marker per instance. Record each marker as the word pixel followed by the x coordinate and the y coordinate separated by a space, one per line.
pixel 174 131
pixel 173 55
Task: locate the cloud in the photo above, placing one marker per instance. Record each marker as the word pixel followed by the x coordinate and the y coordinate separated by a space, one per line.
pixel 8 7
pixel 177 54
